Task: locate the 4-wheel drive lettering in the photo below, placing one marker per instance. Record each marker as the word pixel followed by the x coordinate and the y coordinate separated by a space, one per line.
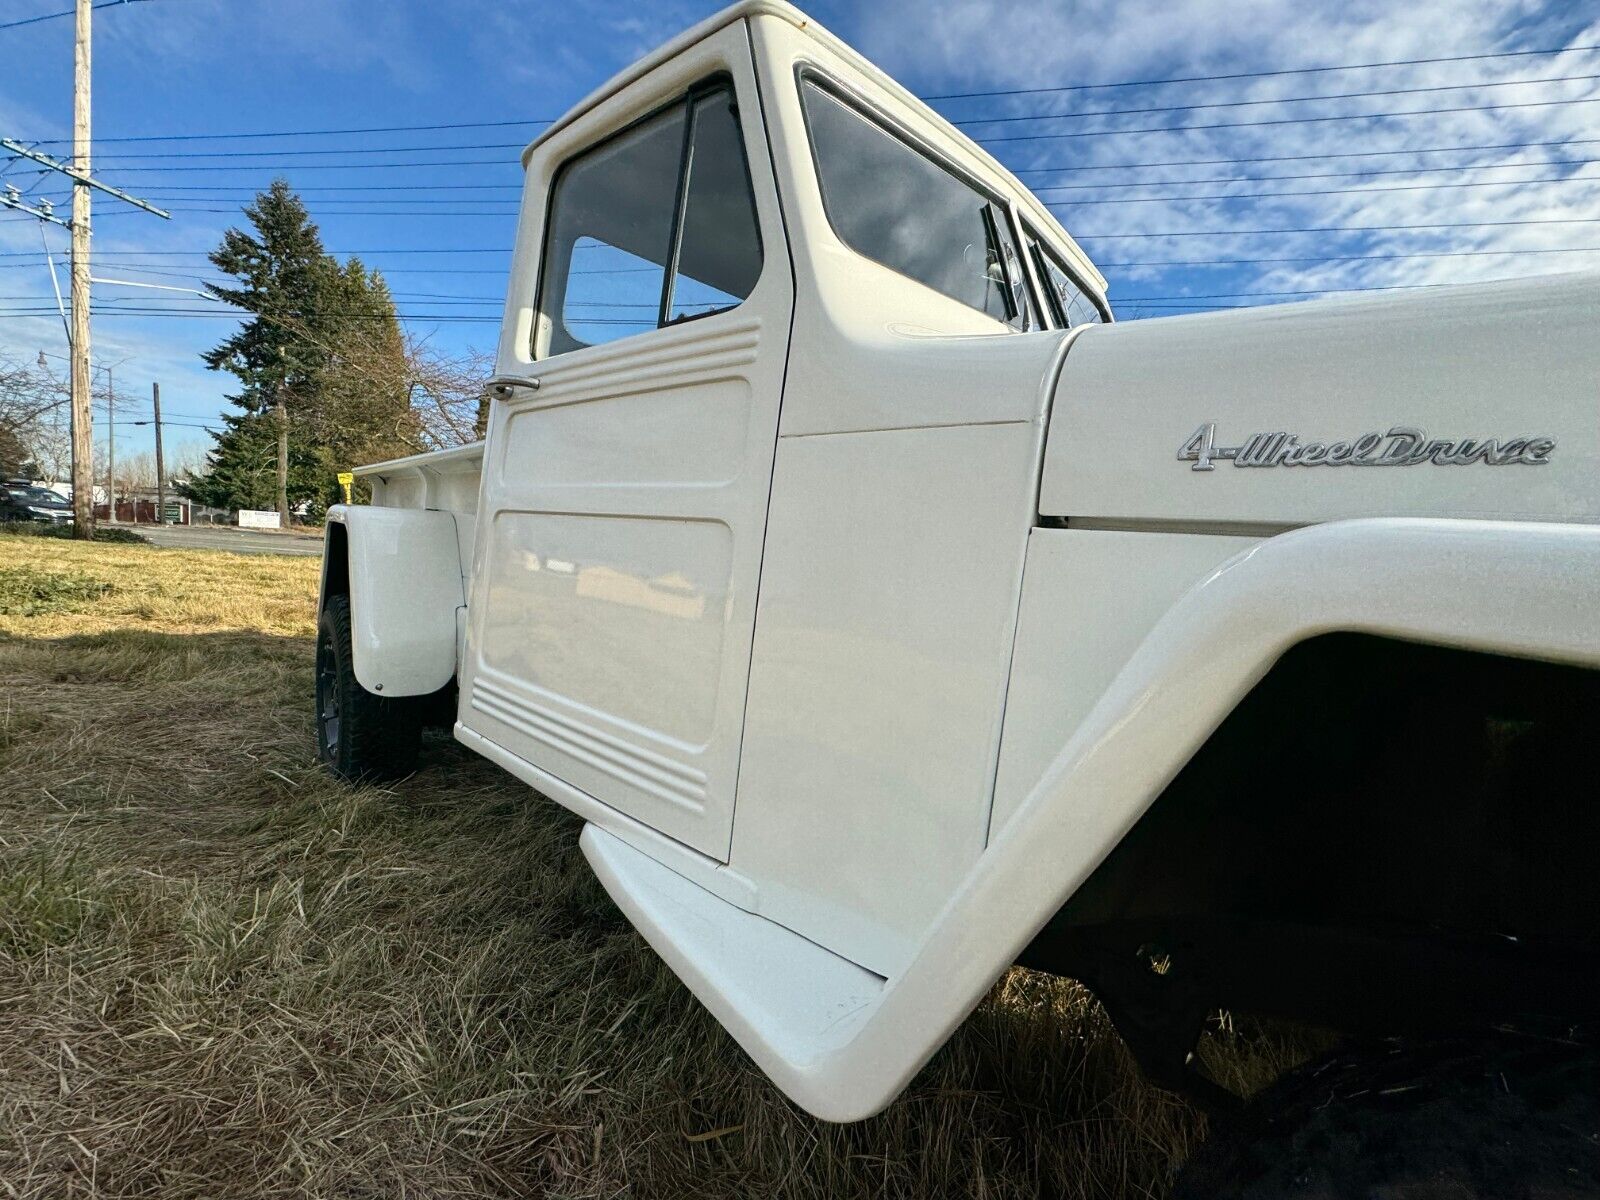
pixel 1401 446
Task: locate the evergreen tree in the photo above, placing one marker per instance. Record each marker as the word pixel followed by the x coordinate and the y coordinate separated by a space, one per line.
pixel 324 342
pixel 243 468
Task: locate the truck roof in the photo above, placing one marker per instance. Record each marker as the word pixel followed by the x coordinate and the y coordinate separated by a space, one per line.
pixel 1035 209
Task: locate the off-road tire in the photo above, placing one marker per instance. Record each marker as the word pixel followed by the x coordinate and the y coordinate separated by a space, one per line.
pixel 1511 1117
pixel 361 736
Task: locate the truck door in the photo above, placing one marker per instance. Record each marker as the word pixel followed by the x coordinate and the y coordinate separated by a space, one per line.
pixel 625 495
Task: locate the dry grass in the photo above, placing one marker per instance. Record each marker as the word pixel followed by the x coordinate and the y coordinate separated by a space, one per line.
pixel 224 974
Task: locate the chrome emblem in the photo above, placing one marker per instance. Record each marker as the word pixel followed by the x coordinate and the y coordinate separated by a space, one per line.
pixel 1401 446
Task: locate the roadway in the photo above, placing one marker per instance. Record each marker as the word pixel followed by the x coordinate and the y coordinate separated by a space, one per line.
pixel 226 537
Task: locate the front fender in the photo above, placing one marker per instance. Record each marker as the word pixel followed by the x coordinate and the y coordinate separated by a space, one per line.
pixel 402 570
pixel 1521 589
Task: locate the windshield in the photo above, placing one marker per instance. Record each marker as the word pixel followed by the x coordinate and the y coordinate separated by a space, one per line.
pixel 34 495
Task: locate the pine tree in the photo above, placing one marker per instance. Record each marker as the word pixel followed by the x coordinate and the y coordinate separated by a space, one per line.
pixel 324 341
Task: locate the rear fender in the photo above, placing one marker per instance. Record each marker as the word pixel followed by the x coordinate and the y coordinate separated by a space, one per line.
pixel 401 568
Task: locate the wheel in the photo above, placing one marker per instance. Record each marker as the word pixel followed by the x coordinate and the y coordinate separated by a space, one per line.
pixel 361 736
pixel 1511 1117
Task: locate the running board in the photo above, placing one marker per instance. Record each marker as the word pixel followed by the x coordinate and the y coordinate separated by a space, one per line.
pixel 787 1001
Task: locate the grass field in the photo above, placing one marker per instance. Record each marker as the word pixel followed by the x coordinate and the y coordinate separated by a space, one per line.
pixel 222 973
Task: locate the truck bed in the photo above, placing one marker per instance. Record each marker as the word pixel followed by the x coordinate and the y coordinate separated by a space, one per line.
pixel 442 479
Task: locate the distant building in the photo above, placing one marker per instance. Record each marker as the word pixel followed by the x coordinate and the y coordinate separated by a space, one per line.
pixel 137 505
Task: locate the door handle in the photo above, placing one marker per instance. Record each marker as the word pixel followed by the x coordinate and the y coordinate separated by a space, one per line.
pixel 503 387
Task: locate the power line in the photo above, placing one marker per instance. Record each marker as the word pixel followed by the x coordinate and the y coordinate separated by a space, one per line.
pixel 367 212
pixel 281 133
pixel 274 161
pixel 459 125
pixel 1140 183
pixel 1077 87
pixel 1380 116
pixel 1324 258
pixel 340 253
pixel 1359 191
pixel 66 13
pixel 1410 91
pixel 172 191
pixel 1343 228
pixel 1203 301
pixel 1184 262
pixel 373 187
pixel 1398 62
pixel 211 314
pixel 1022 173
pixel 334 207
pixel 1218 162
pixel 276 155
pixel 278 167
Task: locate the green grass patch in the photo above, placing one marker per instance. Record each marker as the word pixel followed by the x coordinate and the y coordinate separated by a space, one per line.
pixel 110 534
pixel 31 592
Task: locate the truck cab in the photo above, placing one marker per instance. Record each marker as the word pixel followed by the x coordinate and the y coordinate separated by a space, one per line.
pixel 879 604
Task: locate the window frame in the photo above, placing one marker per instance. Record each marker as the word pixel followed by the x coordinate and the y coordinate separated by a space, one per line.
pixel 1035 243
pixel 1002 206
pixel 688 98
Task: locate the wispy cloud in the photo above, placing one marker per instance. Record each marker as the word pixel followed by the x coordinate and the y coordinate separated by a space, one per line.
pixel 1177 214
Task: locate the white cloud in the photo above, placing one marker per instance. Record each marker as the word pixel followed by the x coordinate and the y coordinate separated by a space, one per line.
pixel 987 45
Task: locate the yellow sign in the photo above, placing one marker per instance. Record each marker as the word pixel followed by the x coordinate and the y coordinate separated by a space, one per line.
pixel 346 478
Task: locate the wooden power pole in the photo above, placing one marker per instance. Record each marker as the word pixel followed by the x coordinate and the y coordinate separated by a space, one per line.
pixel 283 461
pixel 161 471
pixel 82 431
pixel 78 328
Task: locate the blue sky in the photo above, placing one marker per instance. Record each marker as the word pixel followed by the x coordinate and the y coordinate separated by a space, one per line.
pixel 1160 232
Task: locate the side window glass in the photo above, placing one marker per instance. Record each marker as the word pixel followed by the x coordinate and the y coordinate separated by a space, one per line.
pixel 1072 306
pixel 719 251
pixel 889 202
pixel 655 226
pixel 611 236
pixel 610 294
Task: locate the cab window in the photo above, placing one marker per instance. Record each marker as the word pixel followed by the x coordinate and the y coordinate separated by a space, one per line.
pixel 654 227
pixel 892 203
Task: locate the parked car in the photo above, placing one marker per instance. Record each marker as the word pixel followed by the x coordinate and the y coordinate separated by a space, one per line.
pixel 892 616
pixel 23 501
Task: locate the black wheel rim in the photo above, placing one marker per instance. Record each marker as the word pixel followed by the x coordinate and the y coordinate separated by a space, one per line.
pixel 327 700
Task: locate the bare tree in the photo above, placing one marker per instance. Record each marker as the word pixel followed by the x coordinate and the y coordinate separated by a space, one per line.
pixel 50 440
pixel 448 392
pixel 32 415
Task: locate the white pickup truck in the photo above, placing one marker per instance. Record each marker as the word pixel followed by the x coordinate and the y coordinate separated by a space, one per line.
pixel 892 617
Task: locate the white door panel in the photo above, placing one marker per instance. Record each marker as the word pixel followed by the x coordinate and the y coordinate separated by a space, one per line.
pixel 624 513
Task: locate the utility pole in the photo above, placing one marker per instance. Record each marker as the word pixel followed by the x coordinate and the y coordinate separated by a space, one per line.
pixel 283 461
pixel 161 473
pixel 82 431
pixel 78 331
pixel 111 447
